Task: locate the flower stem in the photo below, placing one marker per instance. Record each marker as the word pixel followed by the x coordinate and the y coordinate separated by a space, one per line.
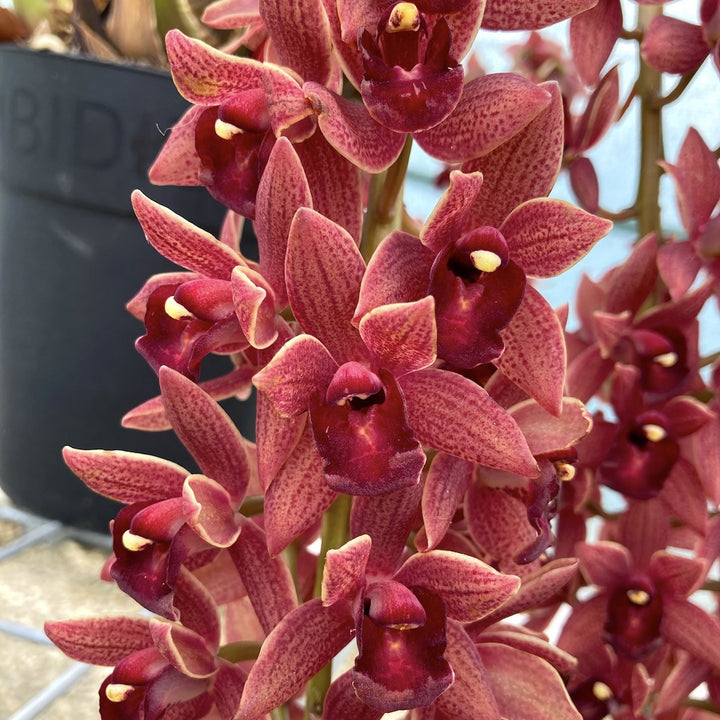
pixel 649 88
pixel 236 652
pixel 385 203
pixel 335 526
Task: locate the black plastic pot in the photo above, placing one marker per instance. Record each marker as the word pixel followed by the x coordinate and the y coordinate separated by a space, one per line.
pixel 76 137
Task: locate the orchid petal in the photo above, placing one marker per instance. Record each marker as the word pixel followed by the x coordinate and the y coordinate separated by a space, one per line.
pixel 397 272
pixel 679 265
pixel 471 688
pixel 605 563
pixel 600 113
pixel 342 702
pixel 448 218
pixel 209 511
pixel 630 283
pixel 276 437
pixel 298 495
pixel 547 236
pixel 347 125
pixel 100 641
pixel 683 494
pixel 469 588
pixel 491 110
pixel 301 36
pixel 705 444
pixel 387 519
pixel 587 372
pixel 294 375
pixel 335 183
pixel 536 589
pixel 267 580
pixel 587 620
pixel 197 608
pixel 207 432
pixel 151 414
pixel 519 15
pixel 523 167
pixel 126 476
pixel 286 104
pixel 283 189
pixel 498 523
pixel 402 336
pixel 456 416
pixel 177 162
pixel 546 433
pixel 520 638
pixel 524 685
pixel 230 14
pixel 208 76
pixel 184 649
pixel 535 355
pixel 183 243
pixel 344 570
pixel 464 23
pixel 301 644
pixel 692 629
pixel 697 179
pixel 254 302
pixel 593 35
pixel 678 575
pixel 447 480
pixel 323 273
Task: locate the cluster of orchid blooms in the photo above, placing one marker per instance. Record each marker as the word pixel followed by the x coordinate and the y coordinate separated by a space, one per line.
pixel 420 406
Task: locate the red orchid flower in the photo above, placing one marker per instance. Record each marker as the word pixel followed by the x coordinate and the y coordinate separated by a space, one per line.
pixel 171 514
pixel 398 610
pixel 241 107
pixel 159 666
pixel 476 276
pixel 359 382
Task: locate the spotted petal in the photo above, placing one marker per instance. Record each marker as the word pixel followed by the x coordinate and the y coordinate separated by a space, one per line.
pixel 547 236
pixel 125 476
pixel 402 336
pixel 182 242
pixel 491 110
pixel 347 126
pixel 454 415
pixel 207 76
pixel 534 357
pixel 302 643
pixel 207 432
pixel 521 15
pixel 100 641
pixel 301 36
pixel 323 273
pixel 525 685
pixel 283 189
pixel 469 588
